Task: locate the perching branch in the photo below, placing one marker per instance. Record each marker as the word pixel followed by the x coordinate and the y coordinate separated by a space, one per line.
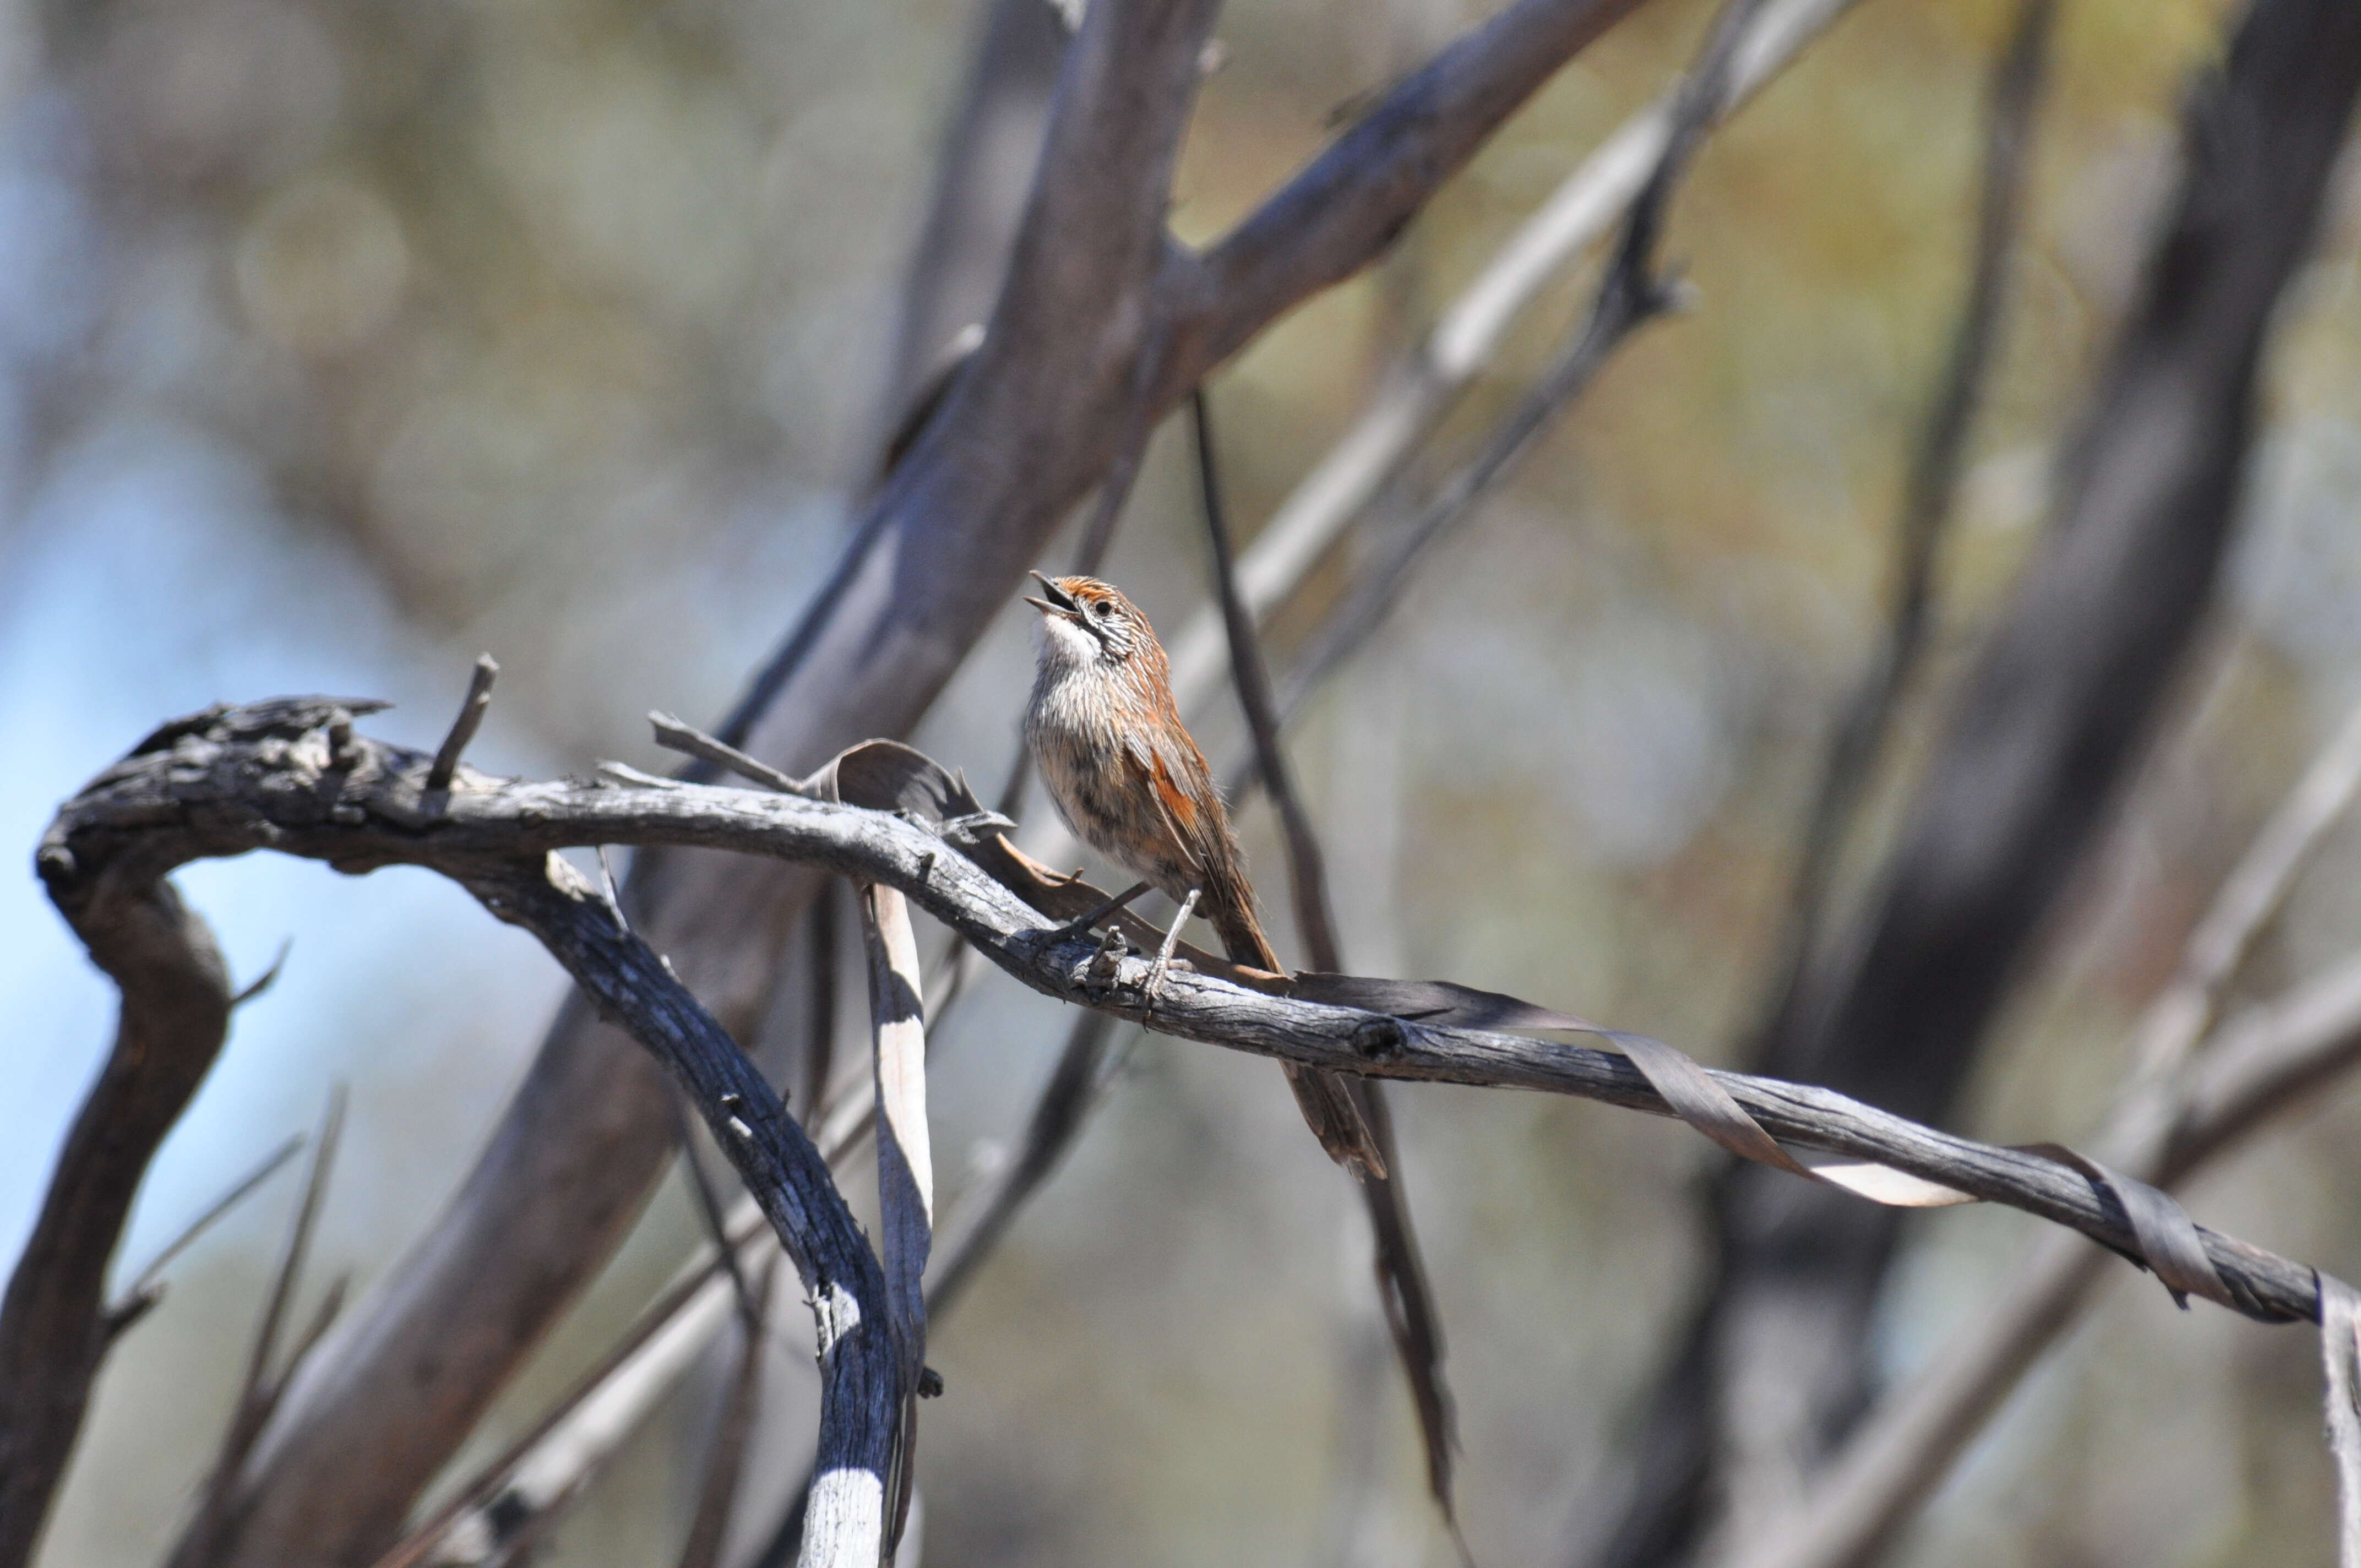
pixel 267 776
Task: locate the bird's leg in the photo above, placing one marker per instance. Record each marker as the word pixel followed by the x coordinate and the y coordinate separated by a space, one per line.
pixel 1081 925
pixel 1156 972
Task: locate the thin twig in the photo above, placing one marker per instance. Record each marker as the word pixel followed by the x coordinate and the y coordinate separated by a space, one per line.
pixel 258 1390
pixel 1629 296
pixel 289 1272
pixel 2244 905
pixel 1307 874
pixel 708 1209
pixel 139 1295
pixel 1401 1270
pixel 690 741
pixel 270 976
pixel 725 1458
pixel 472 708
pixel 1929 499
pixel 1415 396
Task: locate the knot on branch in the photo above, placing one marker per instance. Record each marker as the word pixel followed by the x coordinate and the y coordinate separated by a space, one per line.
pixel 1378 1037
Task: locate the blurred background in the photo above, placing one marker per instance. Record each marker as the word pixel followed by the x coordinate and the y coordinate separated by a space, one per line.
pixel 339 343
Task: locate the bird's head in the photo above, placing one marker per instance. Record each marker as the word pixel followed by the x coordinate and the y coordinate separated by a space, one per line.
pixel 1085 623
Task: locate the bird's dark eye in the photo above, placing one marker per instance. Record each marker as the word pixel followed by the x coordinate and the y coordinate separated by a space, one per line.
pixel 1101 609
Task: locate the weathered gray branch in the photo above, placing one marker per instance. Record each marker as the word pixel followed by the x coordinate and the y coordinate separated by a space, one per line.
pixel 1347 206
pixel 270 777
pixel 905 1170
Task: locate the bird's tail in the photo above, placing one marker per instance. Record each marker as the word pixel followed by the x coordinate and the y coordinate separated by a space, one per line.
pixel 1327 1103
pixel 1335 1121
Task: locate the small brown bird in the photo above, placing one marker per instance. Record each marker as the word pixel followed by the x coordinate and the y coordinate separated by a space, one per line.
pixel 1128 780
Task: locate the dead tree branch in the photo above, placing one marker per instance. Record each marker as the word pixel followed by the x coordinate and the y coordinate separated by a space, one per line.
pixel 1418 393
pixel 267 776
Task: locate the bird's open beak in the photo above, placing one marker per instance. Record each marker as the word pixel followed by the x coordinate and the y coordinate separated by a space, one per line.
pixel 1060 602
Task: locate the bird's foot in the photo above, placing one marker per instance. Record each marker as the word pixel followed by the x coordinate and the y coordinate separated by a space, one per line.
pixel 1153 986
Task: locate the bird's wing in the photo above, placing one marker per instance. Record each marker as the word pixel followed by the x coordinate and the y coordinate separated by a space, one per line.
pixel 1168 786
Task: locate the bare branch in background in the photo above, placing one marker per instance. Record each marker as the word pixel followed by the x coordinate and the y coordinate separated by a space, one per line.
pixel 1339 213
pixel 2174 1116
pixel 1307 875
pixel 2051 715
pixel 261 1386
pixel 1401 1270
pixel 515 1497
pixel 2262 1065
pixel 725 1456
pixel 989 150
pixel 2250 896
pixel 1629 296
pixel 1929 496
pixel 1418 393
